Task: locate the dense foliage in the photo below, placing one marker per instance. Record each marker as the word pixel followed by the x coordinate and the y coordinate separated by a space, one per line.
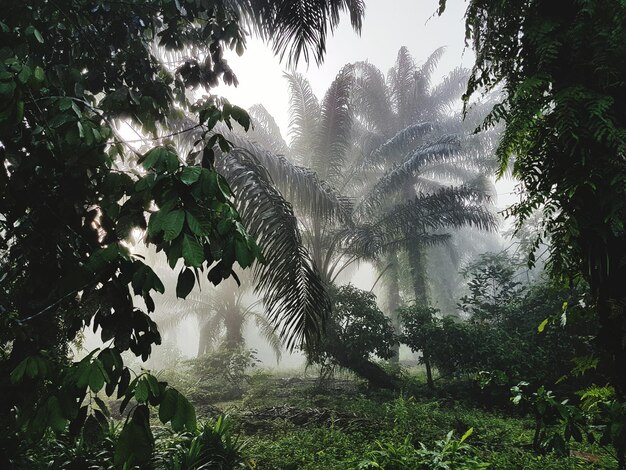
pixel 562 68
pixel 72 75
pixel 356 332
pixel 508 331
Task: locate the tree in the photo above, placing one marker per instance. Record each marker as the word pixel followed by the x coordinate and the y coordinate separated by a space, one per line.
pixel 69 73
pixel 413 140
pixel 562 66
pixel 337 231
pixel 222 314
pixel 357 330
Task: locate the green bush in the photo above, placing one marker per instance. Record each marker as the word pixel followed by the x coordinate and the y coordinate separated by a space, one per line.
pixel 510 332
pixel 215 376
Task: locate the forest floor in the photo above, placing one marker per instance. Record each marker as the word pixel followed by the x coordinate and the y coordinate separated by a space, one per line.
pixel 292 421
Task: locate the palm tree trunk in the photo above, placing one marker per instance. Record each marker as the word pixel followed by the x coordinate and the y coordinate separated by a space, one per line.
pixel 204 341
pixel 417 264
pixel 234 329
pixel 393 302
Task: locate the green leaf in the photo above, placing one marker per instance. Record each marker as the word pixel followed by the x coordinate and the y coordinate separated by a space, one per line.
pixel 190 174
pixel 241 116
pixel 542 325
pixel 65 103
pixel 151 158
pixel 467 434
pixel 24 74
pixel 56 420
pixel 153 385
pixel 243 255
pixel 135 442
pixel 38 35
pixel 176 407
pixel 18 373
pixel 185 283
pixel 193 253
pixel 141 391
pixel 97 376
pixel 39 74
pixel 173 224
pixel 198 223
pixel 167 408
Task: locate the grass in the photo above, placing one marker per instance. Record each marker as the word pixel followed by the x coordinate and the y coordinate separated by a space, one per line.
pixel 290 422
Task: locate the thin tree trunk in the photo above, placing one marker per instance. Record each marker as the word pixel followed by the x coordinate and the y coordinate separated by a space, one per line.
pixel 417 264
pixel 393 302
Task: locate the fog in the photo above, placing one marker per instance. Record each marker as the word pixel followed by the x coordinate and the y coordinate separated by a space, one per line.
pixel 387 26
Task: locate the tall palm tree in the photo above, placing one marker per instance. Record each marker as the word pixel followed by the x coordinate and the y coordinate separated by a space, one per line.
pixel 413 141
pixel 341 219
pixel 316 209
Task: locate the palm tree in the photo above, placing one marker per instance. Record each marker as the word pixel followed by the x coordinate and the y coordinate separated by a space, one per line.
pixel 413 141
pixel 338 215
pixel 342 220
pixel 222 314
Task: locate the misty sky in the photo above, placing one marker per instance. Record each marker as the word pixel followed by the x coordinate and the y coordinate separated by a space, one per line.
pixel 387 26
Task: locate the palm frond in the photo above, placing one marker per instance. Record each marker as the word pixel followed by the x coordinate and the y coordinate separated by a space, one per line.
pixel 446 95
pixel 371 241
pixel 298 28
pixel 371 97
pixel 268 332
pixel 335 130
pixel 401 83
pixel 420 219
pixel 293 293
pixel 424 72
pixel 300 185
pixel 304 116
pixel 449 172
pixel 397 178
pixel 171 312
pixel 265 131
pixel 451 207
pixel 401 143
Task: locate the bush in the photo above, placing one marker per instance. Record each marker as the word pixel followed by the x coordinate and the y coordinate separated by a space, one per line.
pixel 512 332
pixel 215 376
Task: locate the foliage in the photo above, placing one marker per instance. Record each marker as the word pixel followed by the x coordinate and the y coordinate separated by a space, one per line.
pixel 493 288
pixel 73 190
pixel 212 446
pixel 357 419
pixel 218 375
pixel 514 332
pixel 451 453
pixel 357 329
pixel 548 410
pixel 348 209
pixel 563 73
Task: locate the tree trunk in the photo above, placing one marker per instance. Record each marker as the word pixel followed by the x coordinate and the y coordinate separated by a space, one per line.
pixel 420 290
pixel 204 341
pixel 393 302
pixel 417 264
pixel 429 371
pixel 373 373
